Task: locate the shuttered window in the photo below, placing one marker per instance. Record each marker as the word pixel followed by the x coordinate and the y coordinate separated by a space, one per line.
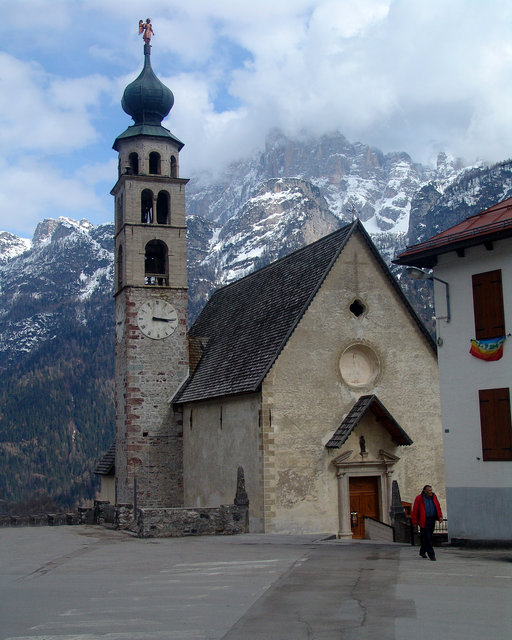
pixel 488 305
pixel 496 424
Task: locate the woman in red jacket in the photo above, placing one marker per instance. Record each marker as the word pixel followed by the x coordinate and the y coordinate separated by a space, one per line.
pixel 426 510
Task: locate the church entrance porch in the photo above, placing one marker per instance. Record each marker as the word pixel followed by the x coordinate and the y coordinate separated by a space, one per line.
pixel 364 501
pixel 364 488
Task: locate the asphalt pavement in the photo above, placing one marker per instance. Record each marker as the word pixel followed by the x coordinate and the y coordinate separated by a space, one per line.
pixel 92 583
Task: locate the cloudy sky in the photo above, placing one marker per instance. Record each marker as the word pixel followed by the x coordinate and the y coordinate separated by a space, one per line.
pixel 411 75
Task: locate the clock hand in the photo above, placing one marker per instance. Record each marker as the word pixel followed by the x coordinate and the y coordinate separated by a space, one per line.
pixel 162 319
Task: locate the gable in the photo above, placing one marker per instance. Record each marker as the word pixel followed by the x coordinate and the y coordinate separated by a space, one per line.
pixel 364 405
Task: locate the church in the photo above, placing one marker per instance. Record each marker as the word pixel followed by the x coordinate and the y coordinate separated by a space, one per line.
pixel 313 374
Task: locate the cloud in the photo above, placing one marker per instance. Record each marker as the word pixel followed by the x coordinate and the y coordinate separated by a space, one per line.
pixel 419 76
pixel 40 112
pixel 31 191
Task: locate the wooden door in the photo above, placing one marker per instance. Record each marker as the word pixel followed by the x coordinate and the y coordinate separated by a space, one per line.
pixel 364 501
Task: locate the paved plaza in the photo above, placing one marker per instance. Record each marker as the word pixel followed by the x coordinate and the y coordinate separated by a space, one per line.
pixel 91 583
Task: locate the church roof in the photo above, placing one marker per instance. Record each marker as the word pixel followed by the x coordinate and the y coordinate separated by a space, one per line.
pixel 354 416
pixel 245 325
pixel 494 223
pixel 106 465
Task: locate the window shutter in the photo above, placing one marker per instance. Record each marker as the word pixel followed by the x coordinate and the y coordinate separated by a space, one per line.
pixel 496 424
pixel 488 305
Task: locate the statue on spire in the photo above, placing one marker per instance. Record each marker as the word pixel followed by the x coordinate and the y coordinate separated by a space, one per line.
pixel 148 30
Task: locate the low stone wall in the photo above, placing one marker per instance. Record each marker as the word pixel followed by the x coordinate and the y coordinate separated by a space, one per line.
pixel 156 522
pixel 40 520
pixel 150 523
pixel 202 521
pixel 124 518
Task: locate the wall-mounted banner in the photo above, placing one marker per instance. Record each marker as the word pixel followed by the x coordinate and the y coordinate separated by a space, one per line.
pixel 489 350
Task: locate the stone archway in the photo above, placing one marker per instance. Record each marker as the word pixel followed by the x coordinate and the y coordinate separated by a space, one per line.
pixel 346 468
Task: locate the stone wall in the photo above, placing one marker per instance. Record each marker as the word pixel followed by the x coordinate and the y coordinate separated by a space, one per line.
pixel 40 520
pixel 149 433
pixel 223 520
pixel 150 523
pixel 155 522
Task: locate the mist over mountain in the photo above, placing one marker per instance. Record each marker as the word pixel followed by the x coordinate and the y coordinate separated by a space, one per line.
pixel 56 304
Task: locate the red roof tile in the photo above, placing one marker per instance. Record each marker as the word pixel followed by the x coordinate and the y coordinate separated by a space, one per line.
pixel 494 223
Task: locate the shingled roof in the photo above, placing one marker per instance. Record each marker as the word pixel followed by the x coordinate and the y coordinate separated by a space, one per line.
pixel 246 324
pixel 106 465
pixel 355 415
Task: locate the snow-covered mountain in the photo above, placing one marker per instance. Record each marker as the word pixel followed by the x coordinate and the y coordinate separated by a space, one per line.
pixel 354 179
pixel 12 246
pixel 66 264
pixel 293 193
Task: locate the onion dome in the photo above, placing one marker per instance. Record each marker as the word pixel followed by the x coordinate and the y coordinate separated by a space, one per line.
pixel 146 99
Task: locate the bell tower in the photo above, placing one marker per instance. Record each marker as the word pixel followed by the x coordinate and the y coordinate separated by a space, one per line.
pixel 151 356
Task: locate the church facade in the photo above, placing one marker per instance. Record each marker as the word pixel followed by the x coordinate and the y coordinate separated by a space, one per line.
pixel 313 374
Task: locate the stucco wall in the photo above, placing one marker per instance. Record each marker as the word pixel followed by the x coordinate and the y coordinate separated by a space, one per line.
pixel 305 398
pixel 218 437
pixel 107 490
pixel 461 376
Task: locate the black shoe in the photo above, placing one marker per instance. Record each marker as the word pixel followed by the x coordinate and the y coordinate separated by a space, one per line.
pixel 423 555
pixel 433 558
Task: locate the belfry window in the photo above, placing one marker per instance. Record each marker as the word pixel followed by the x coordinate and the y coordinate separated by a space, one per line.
pixel 162 208
pixel 154 162
pixel 174 167
pixel 134 163
pixel 155 264
pixel 146 206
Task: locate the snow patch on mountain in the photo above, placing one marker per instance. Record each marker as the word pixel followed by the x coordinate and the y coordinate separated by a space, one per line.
pixel 12 246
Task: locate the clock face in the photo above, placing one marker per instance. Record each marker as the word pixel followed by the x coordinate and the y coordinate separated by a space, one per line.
pixel 157 319
pixel 119 323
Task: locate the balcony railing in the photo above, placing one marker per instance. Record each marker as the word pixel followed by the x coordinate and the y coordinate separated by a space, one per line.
pixel 156 280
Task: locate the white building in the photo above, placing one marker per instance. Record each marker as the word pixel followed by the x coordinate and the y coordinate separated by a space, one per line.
pixel 474 259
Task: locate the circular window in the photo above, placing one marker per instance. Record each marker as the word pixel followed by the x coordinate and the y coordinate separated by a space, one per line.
pixel 359 365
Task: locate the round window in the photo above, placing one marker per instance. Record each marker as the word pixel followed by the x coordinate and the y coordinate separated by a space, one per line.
pixel 359 365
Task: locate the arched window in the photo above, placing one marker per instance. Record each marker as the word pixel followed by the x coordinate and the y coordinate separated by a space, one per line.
pixel 119 210
pixel 174 167
pixel 120 267
pixel 155 264
pixel 154 162
pixel 134 163
pixel 146 206
pixel 162 208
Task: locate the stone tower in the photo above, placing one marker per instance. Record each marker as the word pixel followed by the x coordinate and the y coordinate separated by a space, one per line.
pixel 151 357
